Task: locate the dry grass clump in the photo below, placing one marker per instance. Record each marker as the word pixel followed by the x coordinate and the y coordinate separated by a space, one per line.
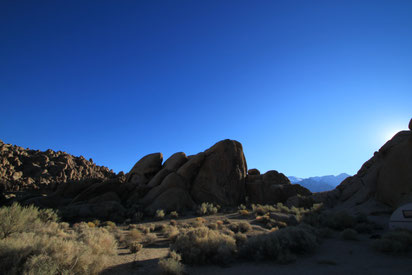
pixel 149 238
pixel 174 214
pixel 160 214
pixel 207 209
pixel 171 265
pixel 240 239
pixel 349 234
pixel 205 246
pixel 109 224
pixel 242 227
pixel 398 241
pixel 47 247
pixel 170 232
pixel 281 245
pixel 135 247
pixel 299 212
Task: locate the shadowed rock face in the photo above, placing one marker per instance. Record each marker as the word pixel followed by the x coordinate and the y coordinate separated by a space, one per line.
pixel 272 187
pixel 382 184
pixel 221 178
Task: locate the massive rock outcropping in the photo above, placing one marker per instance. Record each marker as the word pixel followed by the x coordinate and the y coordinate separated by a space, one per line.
pixel 383 183
pixel 25 169
pixel 217 175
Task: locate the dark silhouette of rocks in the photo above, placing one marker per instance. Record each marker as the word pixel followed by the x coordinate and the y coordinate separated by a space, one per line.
pixel 382 184
pixel 217 175
pixel 25 169
pixel 272 187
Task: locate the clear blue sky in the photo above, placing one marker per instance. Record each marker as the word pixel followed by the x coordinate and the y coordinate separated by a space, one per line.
pixel 308 87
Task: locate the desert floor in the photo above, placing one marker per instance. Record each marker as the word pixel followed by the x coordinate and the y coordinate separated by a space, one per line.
pixel 334 256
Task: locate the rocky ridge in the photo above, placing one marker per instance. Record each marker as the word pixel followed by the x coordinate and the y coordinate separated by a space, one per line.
pixel 218 175
pixel 25 169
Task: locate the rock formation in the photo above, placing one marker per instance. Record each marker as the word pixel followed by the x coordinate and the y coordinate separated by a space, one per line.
pixel 25 169
pixel 383 183
pixel 271 187
pixel 217 175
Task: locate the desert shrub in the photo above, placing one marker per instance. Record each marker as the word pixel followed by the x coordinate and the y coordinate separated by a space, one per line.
pixel 338 220
pixel 174 214
pixel 219 224
pixel 91 225
pixel 262 209
pixel 213 226
pixel 109 224
pixel 48 215
pixel 281 245
pixel 398 241
pixel 54 249
pixel 242 227
pixel 160 214
pixel 132 226
pixel 240 238
pixel 134 235
pixel 234 227
pixel 17 219
pixel 349 234
pixel 203 245
pixel 96 222
pixel 207 209
pixel 135 247
pixel 170 232
pixel 171 265
pixel 150 238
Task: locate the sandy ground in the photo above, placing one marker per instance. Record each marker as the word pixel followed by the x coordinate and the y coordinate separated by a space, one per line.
pixel 334 256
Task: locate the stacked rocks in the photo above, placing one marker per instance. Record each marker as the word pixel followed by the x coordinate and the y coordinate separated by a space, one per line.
pixel 271 187
pixel 25 169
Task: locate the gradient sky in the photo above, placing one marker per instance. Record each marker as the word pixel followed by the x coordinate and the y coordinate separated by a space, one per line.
pixel 309 88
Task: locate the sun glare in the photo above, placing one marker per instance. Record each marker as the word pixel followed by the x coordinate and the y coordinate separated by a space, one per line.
pixel 388 134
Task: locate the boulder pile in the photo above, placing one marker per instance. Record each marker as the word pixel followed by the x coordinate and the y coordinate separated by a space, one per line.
pixel 25 169
pixel 217 175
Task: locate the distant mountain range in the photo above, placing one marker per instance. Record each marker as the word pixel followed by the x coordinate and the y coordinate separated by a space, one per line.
pixel 320 184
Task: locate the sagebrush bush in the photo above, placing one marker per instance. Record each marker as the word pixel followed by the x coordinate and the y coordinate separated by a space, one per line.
pixel 203 246
pixel 207 209
pixel 47 247
pixel 170 232
pixel 135 247
pixel 17 219
pixel 397 241
pixel 171 265
pixel 160 214
pixel 281 245
pixel 150 238
pixel 174 214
